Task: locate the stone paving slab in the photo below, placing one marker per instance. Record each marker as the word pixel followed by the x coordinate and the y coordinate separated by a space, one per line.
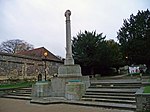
pixel 17 97
pixel 14 105
pixel 60 100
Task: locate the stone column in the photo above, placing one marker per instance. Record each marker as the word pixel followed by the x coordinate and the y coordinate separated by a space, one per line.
pixel 69 59
pixel 69 69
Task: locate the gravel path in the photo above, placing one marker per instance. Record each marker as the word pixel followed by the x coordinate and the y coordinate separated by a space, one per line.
pixel 13 105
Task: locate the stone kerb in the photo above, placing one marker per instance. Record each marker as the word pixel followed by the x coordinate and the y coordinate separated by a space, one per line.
pixel 142 101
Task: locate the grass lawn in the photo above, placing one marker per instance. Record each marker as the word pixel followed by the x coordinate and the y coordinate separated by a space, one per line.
pixel 147 89
pixel 17 85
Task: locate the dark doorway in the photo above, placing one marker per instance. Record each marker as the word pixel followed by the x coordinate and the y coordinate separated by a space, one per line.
pixel 40 77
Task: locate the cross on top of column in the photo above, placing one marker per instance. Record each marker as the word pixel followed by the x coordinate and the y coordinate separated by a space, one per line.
pixel 67 13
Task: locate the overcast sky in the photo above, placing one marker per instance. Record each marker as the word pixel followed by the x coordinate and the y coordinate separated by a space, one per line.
pixel 42 22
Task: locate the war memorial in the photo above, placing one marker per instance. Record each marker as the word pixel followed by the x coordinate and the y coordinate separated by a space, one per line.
pixel 72 88
pixel 68 86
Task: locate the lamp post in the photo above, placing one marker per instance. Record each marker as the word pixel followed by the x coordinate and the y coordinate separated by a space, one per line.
pixel 127 60
pixel 45 55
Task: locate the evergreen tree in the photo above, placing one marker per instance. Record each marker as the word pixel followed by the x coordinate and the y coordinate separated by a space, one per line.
pixel 134 38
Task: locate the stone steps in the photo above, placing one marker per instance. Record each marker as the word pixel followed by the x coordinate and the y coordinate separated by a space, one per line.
pixel 111 90
pixel 110 97
pixel 114 82
pixel 51 100
pixel 21 93
pixel 128 107
pixel 110 100
pixel 115 91
pixel 113 86
pixel 111 94
pixel 17 97
pixel 24 90
pixel 102 94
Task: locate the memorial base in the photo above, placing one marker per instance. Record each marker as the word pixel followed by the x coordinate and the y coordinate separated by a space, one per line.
pixel 69 71
pixel 41 89
pixel 74 90
pixel 58 84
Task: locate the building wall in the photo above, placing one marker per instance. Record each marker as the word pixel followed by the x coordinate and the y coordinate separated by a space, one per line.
pixel 21 67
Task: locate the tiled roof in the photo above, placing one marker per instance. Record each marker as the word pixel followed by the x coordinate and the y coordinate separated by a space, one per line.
pixel 39 52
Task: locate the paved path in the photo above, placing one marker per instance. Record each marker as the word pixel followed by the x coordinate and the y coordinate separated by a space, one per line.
pixel 13 105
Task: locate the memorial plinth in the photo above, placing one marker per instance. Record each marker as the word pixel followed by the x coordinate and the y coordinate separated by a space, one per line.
pixel 60 86
pixel 74 90
pixel 69 71
pixel 41 89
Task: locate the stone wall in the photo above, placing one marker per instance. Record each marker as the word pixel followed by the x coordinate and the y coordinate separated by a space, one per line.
pixel 25 67
pixel 142 101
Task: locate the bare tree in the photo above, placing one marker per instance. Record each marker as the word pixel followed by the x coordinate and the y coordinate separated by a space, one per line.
pixel 15 46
